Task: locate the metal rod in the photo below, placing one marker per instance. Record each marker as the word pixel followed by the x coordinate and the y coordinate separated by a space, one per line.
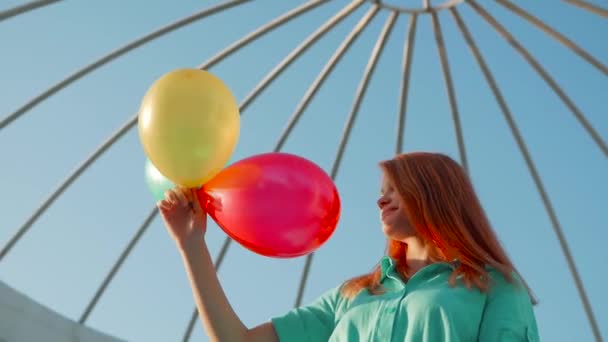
pixel 371 65
pixel 261 31
pixel 65 184
pixel 304 279
pixel 218 263
pixel 117 135
pixel 425 8
pixel 299 50
pixel 17 10
pixel 113 55
pixel 445 67
pixel 326 71
pixel 553 33
pixel 426 4
pixel 190 327
pixel 408 51
pixel 369 70
pixel 543 73
pixel 123 256
pixel 532 169
pixel 589 7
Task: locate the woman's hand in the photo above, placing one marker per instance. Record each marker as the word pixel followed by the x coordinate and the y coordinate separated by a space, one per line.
pixel 184 218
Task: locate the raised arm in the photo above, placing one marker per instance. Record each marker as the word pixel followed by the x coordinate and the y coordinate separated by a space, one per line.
pixel 186 223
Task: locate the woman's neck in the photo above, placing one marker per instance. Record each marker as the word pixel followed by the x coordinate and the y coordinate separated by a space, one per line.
pixel 417 255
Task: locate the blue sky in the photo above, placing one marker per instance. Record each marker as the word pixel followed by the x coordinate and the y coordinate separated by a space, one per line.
pixel 67 253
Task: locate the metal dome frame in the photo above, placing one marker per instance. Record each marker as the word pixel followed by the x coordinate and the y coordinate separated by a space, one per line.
pixel 374 7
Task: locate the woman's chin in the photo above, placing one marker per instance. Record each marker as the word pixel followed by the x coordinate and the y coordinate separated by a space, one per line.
pixel 394 233
pixel 390 231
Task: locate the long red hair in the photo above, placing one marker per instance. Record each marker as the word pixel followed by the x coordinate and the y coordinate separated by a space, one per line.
pixel 442 206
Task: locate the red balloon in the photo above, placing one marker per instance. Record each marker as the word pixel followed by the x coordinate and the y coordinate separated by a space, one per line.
pixel 274 204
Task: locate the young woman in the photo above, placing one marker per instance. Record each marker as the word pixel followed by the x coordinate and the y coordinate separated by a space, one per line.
pixel 445 276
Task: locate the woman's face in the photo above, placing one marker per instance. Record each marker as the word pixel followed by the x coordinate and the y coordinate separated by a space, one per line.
pixel 395 223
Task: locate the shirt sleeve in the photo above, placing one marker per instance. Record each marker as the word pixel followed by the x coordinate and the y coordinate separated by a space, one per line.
pixel 313 322
pixel 508 315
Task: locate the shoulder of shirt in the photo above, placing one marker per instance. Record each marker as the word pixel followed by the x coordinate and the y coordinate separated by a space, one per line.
pixel 499 283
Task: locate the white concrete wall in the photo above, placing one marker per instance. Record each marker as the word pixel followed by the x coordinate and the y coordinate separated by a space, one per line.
pixel 24 320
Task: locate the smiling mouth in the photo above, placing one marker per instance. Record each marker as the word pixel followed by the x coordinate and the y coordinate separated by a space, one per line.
pixel 388 211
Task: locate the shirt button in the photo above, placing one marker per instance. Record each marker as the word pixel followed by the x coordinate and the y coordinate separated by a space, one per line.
pixel 392 310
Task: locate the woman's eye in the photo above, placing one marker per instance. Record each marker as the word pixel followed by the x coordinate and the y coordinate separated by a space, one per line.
pixel 386 191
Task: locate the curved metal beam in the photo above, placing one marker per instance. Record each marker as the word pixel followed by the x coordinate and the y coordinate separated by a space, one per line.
pixel 554 34
pixel 218 263
pixel 426 4
pixel 21 9
pixel 589 7
pixel 299 50
pixel 325 72
pixel 65 184
pixel 445 67
pixel 271 25
pixel 543 73
pixel 369 70
pixel 113 55
pixel 362 89
pixel 123 256
pixel 532 169
pixel 408 51
pixel 425 8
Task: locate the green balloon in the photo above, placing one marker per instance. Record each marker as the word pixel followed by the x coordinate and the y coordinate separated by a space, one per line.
pixel 157 182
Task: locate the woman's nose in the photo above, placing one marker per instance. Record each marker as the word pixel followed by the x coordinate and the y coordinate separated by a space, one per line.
pixel 382 201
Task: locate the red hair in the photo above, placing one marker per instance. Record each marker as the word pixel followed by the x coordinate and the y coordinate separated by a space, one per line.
pixel 442 206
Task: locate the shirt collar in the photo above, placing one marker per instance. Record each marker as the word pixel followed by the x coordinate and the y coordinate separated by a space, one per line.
pixel 387 268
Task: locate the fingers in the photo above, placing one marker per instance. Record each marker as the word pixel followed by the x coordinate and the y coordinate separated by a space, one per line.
pixel 166 205
pixel 199 206
pixel 171 197
pixel 182 197
pixel 193 198
pixel 175 197
pixel 163 205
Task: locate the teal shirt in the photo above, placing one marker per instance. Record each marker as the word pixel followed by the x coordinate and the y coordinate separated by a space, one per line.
pixel 424 309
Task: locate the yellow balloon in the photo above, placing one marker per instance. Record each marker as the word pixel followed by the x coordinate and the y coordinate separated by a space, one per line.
pixel 189 125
